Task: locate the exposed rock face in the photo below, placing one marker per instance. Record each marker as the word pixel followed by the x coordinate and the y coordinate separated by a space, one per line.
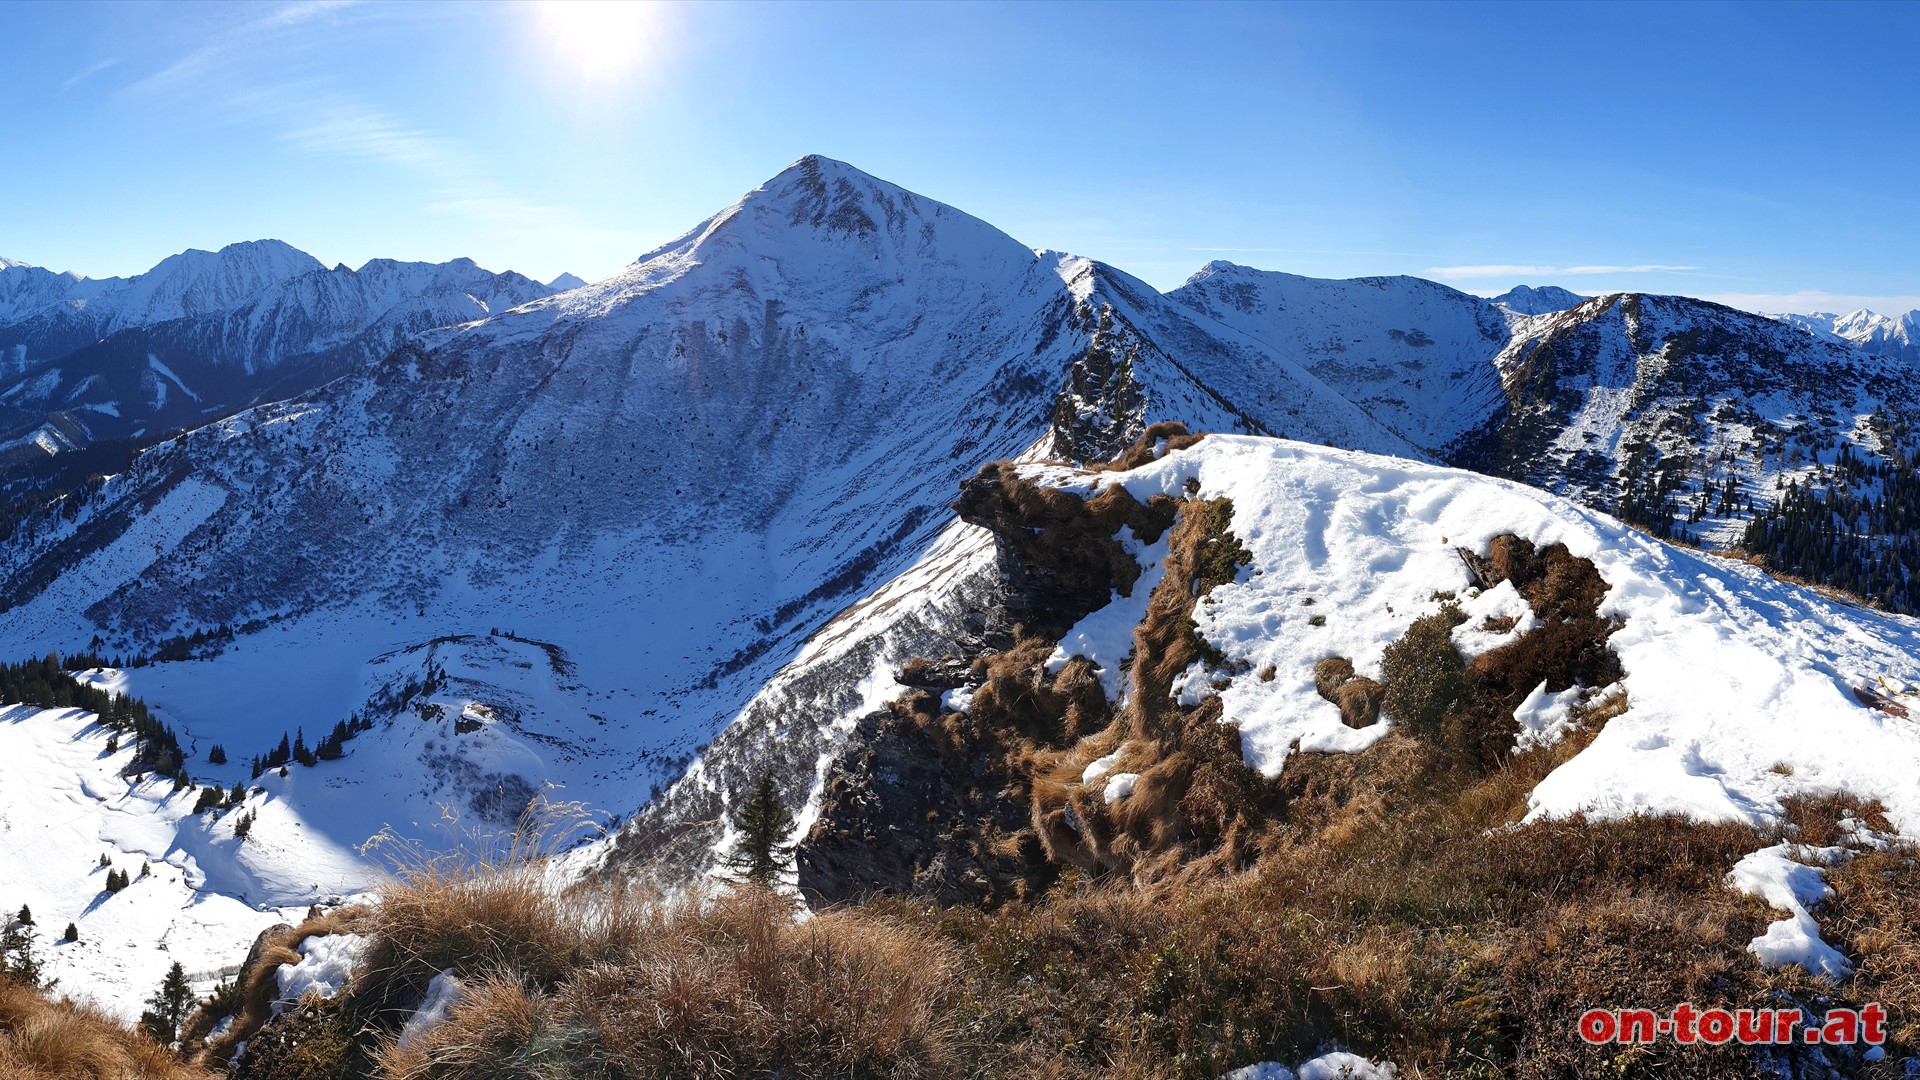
pixel 1102 409
pixel 908 810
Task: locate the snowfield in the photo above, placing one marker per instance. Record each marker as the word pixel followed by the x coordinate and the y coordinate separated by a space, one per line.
pixel 1740 687
pixel 64 804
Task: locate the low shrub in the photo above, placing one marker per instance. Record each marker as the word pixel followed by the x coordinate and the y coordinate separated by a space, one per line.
pixel 1424 674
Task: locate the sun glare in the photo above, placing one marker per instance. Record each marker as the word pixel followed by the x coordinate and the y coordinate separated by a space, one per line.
pixel 601 41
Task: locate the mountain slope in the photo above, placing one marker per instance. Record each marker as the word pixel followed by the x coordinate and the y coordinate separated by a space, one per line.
pixel 1692 418
pixel 1414 354
pixel 101 368
pixel 54 317
pixel 672 478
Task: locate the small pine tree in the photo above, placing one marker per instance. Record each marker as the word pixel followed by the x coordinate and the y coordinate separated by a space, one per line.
pixel 72 935
pixel 17 959
pixel 25 918
pixel 104 861
pixel 243 825
pixel 146 869
pixel 764 823
pixel 217 755
pixel 168 1007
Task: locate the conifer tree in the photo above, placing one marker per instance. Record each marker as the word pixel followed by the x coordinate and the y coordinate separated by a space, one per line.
pixel 167 1009
pixel 17 958
pixel 764 823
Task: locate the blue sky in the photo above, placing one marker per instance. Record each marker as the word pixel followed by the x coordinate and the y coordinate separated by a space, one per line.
pixel 1762 154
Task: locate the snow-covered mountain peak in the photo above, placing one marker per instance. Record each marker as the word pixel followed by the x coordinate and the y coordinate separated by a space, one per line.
pixel 1529 300
pixel 1896 336
pixel 821 236
pixel 197 282
pixel 566 282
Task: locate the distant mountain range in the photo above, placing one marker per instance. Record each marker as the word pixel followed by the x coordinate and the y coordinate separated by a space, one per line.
pixel 113 364
pixel 1896 336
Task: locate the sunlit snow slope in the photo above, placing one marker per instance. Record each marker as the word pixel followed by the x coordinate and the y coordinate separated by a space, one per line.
pixel 1729 673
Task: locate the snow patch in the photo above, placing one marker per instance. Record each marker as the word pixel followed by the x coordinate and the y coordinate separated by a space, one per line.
pixel 1337 1065
pixel 1105 636
pixel 1099 767
pixel 326 963
pixel 1777 875
pixel 1730 674
pixel 443 993
pixel 1545 718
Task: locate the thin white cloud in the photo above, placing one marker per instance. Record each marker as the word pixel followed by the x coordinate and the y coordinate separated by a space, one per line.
pixel 374 136
pixel 1812 300
pixel 238 38
pixel 89 72
pixel 1506 270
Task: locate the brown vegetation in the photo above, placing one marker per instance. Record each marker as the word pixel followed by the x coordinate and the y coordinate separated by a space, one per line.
pixel 734 987
pixel 1146 448
pixel 1358 697
pixel 46 1039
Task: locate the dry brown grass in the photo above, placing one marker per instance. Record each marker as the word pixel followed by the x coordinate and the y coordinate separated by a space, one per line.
pixel 45 1039
pixel 1143 449
pixel 606 984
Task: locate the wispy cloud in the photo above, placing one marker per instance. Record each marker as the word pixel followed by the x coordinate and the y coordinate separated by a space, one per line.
pixel 237 39
pixel 1504 270
pixel 260 70
pixel 373 136
pixel 89 72
pixel 1812 300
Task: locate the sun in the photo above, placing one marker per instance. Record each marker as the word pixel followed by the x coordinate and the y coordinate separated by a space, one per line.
pixel 602 41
